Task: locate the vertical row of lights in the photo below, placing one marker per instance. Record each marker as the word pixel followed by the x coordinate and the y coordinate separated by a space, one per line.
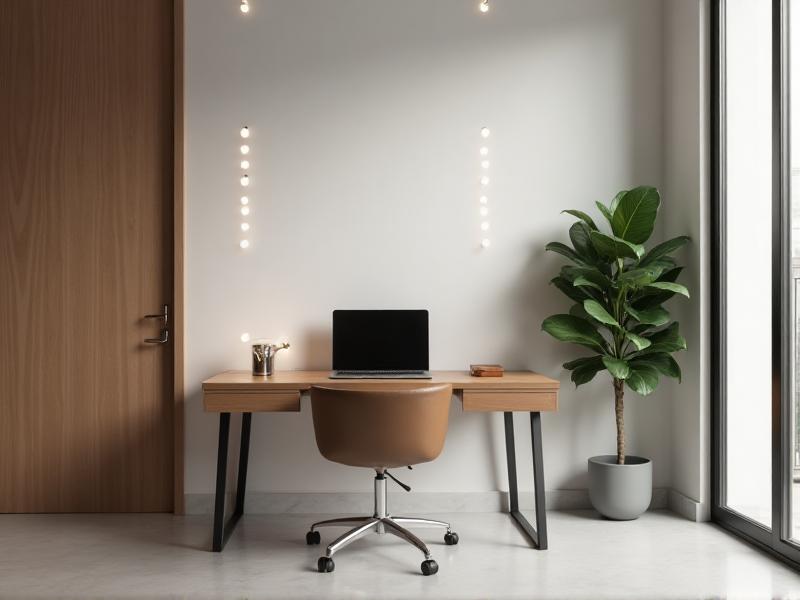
pixel 244 149
pixel 483 209
pixel 244 181
pixel 484 199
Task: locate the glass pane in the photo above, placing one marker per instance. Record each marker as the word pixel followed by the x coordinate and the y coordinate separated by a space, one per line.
pixel 748 251
pixel 794 182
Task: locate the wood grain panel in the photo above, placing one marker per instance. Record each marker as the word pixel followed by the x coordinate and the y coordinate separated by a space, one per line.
pixel 240 391
pixel 86 225
pixel 501 400
pixel 252 402
pixel 303 380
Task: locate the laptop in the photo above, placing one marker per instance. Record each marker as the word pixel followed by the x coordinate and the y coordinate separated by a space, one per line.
pixel 380 344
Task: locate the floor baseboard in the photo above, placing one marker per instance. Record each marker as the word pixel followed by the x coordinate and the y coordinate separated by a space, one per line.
pixel 428 502
pixel 687 507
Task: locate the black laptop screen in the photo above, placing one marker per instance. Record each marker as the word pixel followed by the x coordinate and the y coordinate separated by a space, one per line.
pixel 380 340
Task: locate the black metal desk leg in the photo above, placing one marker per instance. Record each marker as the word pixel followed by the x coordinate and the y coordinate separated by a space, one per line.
pixel 538 536
pixel 538 479
pixel 222 530
pixel 244 454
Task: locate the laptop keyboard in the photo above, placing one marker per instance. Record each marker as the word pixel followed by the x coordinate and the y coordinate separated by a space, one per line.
pixel 384 372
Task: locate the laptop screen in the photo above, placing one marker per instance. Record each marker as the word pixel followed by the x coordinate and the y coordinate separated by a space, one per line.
pixel 370 340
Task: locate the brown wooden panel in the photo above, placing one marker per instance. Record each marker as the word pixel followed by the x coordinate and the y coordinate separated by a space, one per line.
pixel 302 380
pixel 86 224
pixel 500 400
pixel 252 402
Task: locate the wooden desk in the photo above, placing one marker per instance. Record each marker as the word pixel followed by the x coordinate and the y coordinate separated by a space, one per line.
pixel 241 392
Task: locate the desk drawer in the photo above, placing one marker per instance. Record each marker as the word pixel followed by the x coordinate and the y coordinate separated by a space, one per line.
pixel 283 401
pixel 501 400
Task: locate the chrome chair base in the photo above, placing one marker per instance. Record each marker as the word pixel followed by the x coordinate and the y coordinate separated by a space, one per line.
pixel 366 525
pixel 381 523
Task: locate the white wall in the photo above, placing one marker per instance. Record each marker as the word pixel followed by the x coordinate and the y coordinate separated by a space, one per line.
pixel 686 185
pixel 365 117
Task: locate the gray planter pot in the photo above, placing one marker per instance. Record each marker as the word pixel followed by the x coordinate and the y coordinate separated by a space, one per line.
pixel 620 492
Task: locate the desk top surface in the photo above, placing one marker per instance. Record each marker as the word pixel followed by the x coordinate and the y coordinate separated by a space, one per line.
pixel 303 380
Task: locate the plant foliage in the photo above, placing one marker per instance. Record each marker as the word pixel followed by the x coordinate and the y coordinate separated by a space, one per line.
pixel 618 289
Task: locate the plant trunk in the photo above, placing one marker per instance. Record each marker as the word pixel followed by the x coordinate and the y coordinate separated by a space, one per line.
pixel 619 409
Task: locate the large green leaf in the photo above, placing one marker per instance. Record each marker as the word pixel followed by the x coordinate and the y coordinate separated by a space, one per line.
pixel 592 274
pixel 615 201
pixel 577 310
pixel 582 216
pixel 639 277
pixel 668 286
pixel 618 367
pixel 579 236
pixel 599 313
pixel 604 209
pixel 671 275
pixel 586 370
pixel 581 281
pixel 578 362
pixel 640 342
pixel 643 379
pixel 613 248
pixel 656 316
pixel 565 250
pixel 651 297
pixel 664 248
pixel 570 291
pixel 569 328
pixel 635 214
pixel 662 362
pixel 666 340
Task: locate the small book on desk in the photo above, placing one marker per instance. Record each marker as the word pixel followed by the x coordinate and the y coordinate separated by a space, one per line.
pixel 486 370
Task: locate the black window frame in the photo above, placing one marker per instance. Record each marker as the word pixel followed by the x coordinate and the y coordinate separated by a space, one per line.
pixel 775 540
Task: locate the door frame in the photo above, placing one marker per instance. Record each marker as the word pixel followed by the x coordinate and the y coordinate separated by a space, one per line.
pixel 178 258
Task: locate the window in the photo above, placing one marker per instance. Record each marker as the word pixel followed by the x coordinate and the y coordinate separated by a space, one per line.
pixel 755 417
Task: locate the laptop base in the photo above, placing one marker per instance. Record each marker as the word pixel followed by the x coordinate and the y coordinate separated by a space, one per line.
pixel 380 375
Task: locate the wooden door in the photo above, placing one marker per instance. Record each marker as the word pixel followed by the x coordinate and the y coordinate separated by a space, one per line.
pixel 86 201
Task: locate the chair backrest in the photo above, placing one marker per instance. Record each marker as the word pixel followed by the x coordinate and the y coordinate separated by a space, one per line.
pixel 381 427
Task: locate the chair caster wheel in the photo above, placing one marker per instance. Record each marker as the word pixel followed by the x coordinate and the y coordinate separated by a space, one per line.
pixel 451 538
pixel 325 564
pixel 429 567
pixel 312 538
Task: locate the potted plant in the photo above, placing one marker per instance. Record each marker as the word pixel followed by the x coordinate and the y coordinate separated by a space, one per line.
pixel 618 289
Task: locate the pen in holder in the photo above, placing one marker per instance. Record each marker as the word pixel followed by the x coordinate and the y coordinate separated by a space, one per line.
pixel 264 357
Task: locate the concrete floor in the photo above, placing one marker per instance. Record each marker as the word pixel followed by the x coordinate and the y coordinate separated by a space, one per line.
pixel 161 556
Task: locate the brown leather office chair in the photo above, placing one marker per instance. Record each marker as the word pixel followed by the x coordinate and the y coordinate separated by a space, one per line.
pixel 380 429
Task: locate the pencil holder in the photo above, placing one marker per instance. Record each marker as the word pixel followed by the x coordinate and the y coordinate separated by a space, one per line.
pixel 264 357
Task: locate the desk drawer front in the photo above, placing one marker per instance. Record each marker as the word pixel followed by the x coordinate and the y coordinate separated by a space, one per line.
pixel 283 401
pixel 499 400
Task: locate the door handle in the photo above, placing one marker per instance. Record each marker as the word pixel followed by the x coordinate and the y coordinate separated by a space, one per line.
pixel 164 335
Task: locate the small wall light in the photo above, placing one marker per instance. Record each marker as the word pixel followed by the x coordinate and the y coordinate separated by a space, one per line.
pixel 244 132
pixel 244 149
pixel 484 6
pixel 244 6
pixel 245 337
